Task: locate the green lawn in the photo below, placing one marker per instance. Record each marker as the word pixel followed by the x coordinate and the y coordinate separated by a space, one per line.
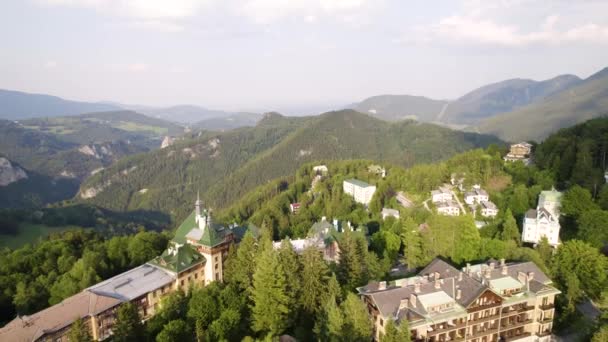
pixel 30 233
pixel 136 127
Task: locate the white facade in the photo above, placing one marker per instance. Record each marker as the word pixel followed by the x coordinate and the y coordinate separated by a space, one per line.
pixel 361 191
pixel 449 208
pixel 322 169
pixel 441 195
pixel 488 209
pixel 477 195
pixel 390 212
pixel 544 221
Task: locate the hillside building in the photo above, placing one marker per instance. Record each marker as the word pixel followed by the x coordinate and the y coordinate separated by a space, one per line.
pixel 441 195
pixel 294 207
pixel 403 200
pixel 449 208
pixel 480 303
pixel 519 152
pixel 476 195
pixel 544 220
pixel 488 209
pixel 194 257
pixel 320 170
pixel 361 191
pixel 324 236
pixel 386 212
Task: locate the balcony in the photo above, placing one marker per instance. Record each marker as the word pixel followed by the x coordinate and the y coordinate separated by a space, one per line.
pixel 445 327
pixel 547 306
pixel 511 325
pixel 516 337
pixel 483 332
pixel 483 307
pixel 484 319
pixel 518 309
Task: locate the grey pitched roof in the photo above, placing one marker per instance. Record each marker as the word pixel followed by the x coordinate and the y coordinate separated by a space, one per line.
pixel 531 214
pixel 133 283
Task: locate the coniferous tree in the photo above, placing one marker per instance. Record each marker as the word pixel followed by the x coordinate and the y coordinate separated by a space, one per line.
pixel 545 250
pixel 240 268
pixel 270 309
pixel 128 325
pixel 357 324
pixel 412 242
pixel 510 231
pixel 315 275
pixel 392 333
pixel 80 332
pixel 289 263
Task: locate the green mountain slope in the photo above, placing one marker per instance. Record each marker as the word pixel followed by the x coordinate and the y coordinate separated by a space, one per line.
pixel 167 179
pixel 503 97
pixel 19 105
pixel 587 100
pixel 223 166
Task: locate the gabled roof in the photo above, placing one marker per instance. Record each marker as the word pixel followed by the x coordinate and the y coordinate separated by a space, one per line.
pixel 178 258
pixel 213 235
pixel 184 228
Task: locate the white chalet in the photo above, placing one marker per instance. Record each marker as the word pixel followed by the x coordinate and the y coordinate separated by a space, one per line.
pixel 449 208
pixel 488 209
pixel 361 191
pixel 544 220
pixel 476 195
pixel 386 212
pixel 441 195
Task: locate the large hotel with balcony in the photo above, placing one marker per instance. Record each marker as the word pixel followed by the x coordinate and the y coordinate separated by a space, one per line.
pixel 194 257
pixel 490 302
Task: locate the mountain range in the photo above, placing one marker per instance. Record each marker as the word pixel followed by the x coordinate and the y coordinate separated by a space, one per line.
pixel 516 109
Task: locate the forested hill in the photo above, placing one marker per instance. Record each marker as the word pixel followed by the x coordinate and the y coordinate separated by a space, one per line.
pixel 224 166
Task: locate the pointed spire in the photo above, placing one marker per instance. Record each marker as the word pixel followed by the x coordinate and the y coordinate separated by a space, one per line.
pixel 197 206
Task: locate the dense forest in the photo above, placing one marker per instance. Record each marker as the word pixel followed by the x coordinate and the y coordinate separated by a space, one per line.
pixel 268 292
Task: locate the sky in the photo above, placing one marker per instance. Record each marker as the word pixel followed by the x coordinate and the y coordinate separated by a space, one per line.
pixel 288 55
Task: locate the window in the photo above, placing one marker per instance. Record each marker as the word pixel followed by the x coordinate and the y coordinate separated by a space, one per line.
pixel 216 266
pixel 195 275
pixel 381 322
pixel 181 283
pixel 217 275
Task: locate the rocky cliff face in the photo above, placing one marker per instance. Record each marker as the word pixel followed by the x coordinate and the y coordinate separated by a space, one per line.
pixel 10 173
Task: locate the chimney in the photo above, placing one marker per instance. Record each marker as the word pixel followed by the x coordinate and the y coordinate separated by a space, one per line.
pixel 437 284
pixel 323 218
pixel 502 262
pixel 488 273
pixel 530 276
pixel 458 294
pixel 382 285
pixel 522 277
pixel 403 304
pixel 492 265
pixel 504 270
pixel 413 300
pixel 436 276
pixel 335 224
pixel 459 276
pixel 417 288
pixel 468 268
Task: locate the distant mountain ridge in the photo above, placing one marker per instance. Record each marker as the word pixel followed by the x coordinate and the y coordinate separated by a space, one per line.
pixel 585 100
pixel 15 105
pixel 199 116
pixel 484 102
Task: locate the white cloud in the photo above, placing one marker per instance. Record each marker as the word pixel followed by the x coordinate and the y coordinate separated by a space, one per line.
pixel 157 25
pixel 138 67
pixel 490 23
pixel 50 64
pixel 147 9
pixel 266 11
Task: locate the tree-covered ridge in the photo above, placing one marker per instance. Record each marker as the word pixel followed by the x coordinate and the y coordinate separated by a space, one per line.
pixel 224 166
pixel 166 180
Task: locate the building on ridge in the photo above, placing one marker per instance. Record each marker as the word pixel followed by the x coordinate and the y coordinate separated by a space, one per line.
pixel 484 302
pixel 361 191
pixel 544 220
pixel 519 152
pixel 386 212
